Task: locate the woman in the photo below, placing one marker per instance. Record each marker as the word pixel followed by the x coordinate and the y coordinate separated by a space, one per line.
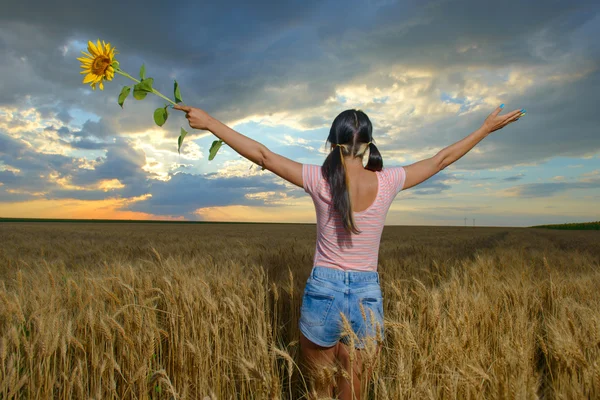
pixel 351 203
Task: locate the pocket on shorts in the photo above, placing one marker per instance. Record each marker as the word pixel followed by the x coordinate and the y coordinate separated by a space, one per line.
pixel 315 308
pixel 374 304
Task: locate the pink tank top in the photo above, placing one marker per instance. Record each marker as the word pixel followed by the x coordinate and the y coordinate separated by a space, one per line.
pixel 335 247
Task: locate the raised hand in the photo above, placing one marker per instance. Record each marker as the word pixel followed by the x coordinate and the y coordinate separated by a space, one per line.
pixel 494 121
pixel 198 119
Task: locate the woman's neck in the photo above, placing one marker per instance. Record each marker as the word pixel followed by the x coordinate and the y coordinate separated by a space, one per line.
pixel 353 163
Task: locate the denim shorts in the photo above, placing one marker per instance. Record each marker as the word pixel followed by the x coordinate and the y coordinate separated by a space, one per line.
pixel 328 293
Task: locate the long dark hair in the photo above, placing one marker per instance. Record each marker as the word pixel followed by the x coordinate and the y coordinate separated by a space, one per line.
pixel 350 132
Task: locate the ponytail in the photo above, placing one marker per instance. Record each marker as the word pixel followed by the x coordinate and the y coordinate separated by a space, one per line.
pixel 352 133
pixel 375 161
pixel 334 172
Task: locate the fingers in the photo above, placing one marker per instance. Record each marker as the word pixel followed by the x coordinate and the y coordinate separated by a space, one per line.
pixel 518 114
pixel 509 115
pixel 497 110
pixel 514 113
pixel 182 108
pixel 514 116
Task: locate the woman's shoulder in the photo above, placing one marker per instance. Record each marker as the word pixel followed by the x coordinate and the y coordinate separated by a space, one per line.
pixel 312 170
pixel 394 176
pixel 393 170
pixel 311 177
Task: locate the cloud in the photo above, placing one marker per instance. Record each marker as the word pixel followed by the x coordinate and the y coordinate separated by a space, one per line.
pixel 184 193
pixel 427 73
pixel 435 185
pixel 514 178
pixel 55 176
pixel 548 189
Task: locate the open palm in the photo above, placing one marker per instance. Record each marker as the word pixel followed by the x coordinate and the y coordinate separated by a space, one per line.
pixel 494 121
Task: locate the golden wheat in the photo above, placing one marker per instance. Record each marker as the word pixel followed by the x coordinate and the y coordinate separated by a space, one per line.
pixel 155 311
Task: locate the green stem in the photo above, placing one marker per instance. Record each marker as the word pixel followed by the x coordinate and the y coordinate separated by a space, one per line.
pixel 156 92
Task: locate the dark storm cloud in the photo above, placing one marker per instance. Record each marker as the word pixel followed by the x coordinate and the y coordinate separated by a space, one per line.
pixel 86 144
pixel 228 56
pixel 121 162
pixel 514 178
pixel 8 145
pixel 433 186
pixel 548 189
pixel 98 129
pixel 430 33
pixel 9 197
pixel 185 193
pixel 92 136
pixel 181 195
pixel 8 177
pixel 561 121
pixel 228 53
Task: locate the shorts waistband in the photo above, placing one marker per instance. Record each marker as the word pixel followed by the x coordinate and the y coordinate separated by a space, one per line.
pixel 345 276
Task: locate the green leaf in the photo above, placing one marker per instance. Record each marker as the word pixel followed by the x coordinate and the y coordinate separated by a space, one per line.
pixel 115 64
pixel 142 72
pixel 146 84
pixel 160 116
pixel 141 90
pixel 138 93
pixel 214 148
pixel 180 140
pixel 123 95
pixel 177 93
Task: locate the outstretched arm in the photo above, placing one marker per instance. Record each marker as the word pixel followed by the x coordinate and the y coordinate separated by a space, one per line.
pixel 246 147
pixel 425 169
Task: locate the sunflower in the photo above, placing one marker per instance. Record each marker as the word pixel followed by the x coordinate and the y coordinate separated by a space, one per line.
pixel 97 64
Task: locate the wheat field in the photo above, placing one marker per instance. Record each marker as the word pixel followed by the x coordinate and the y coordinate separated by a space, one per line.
pixel 210 311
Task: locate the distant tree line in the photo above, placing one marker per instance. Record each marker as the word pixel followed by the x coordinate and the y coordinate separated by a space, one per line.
pixel 595 226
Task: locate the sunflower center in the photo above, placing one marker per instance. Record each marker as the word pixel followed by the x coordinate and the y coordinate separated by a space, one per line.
pixel 100 65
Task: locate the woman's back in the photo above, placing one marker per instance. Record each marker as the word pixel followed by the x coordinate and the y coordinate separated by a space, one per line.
pixel 363 188
pixel 336 247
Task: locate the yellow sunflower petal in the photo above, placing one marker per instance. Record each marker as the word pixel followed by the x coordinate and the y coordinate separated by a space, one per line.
pixel 101 85
pixel 85 60
pixel 89 78
pixel 99 47
pixel 92 49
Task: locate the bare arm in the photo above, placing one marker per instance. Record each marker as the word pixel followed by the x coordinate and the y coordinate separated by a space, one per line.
pixel 246 147
pixel 425 169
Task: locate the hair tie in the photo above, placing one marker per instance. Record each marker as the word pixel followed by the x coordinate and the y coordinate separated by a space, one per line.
pixel 339 145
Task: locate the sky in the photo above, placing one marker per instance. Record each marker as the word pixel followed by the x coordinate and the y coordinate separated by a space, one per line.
pixel 427 73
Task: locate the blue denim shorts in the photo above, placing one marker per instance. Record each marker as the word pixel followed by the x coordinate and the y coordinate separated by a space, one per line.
pixel 330 292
